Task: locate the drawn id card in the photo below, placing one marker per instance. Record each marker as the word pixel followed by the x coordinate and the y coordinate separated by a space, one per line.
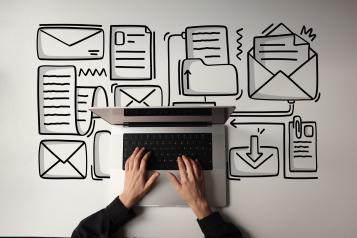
pixel 302 143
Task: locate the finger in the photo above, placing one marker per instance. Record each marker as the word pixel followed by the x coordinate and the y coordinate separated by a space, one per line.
pixel 129 161
pixel 137 158
pixel 174 179
pixel 188 165
pixel 151 181
pixel 196 171
pixel 199 168
pixel 182 169
pixel 136 150
pixel 143 162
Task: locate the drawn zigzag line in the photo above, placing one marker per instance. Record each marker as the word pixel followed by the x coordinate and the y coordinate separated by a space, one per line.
pixel 308 32
pixel 240 36
pixel 92 72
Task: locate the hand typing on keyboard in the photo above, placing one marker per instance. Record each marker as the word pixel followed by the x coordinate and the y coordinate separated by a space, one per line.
pixel 191 186
pixel 136 185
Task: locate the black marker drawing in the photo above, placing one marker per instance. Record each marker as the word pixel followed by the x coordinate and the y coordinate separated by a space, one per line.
pixel 92 72
pixel 283 113
pixel 261 146
pixel 70 42
pixel 132 52
pixel 101 155
pixel 137 96
pixel 282 66
pixel 207 62
pixel 62 159
pixel 62 105
pixel 302 161
pixel 308 32
pixel 239 47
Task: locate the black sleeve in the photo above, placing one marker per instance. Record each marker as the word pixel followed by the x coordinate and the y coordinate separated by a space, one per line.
pixel 105 222
pixel 213 226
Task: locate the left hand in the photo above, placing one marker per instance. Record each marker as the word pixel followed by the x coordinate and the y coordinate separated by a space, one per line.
pixel 136 185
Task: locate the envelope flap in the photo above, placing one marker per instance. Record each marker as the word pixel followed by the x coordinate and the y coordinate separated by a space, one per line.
pixel 63 150
pixel 138 94
pixel 70 35
pixel 280 29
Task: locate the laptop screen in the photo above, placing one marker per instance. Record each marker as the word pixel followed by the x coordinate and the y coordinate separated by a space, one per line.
pixel 120 116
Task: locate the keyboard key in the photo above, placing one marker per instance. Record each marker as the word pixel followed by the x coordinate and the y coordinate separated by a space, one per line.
pixel 165 147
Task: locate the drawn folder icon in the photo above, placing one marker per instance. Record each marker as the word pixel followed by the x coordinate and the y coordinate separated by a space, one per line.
pixel 70 43
pixel 62 159
pixel 300 83
pixel 137 96
pixel 199 78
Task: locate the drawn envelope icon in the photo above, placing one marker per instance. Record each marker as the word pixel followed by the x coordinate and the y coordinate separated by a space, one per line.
pixel 70 42
pixel 62 159
pixel 137 96
pixel 281 48
pixel 242 164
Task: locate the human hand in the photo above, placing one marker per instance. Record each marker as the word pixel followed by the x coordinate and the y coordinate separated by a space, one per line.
pixel 191 186
pixel 136 185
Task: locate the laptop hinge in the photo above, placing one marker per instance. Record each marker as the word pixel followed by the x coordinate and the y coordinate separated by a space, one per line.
pixel 167 124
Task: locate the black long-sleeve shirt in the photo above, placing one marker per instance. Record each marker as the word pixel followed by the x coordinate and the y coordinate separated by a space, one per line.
pixel 107 222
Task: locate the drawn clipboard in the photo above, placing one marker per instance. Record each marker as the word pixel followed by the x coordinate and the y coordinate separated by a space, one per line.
pixel 303 145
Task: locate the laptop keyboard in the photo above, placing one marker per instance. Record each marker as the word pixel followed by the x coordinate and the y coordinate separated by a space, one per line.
pixel 165 147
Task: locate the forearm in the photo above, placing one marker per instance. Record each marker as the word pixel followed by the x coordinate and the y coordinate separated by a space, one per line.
pixel 105 222
pixel 213 226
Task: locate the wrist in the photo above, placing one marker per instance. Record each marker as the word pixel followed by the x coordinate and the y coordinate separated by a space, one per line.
pixel 201 209
pixel 127 202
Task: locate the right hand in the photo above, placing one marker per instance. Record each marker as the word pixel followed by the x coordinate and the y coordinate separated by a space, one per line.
pixel 191 186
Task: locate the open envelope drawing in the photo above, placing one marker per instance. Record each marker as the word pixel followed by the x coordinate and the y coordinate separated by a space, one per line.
pixel 62 159
pixel 282 66
pixel 70 42
pixel 137 96
pixel 242 164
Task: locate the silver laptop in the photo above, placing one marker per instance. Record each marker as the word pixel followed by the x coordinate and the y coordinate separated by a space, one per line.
pixel 167 132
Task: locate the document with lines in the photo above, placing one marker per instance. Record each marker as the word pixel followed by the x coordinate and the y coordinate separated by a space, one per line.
pixel 62 106
pixel 281 52
pixel 208 43
pixel 131 50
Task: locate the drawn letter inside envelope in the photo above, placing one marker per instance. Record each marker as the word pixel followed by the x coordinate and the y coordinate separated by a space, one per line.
pixel 131 55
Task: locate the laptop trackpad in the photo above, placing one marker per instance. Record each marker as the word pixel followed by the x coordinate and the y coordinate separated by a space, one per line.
pixel 163 193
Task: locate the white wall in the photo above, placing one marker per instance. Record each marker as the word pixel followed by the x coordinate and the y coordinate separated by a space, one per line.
pixel 262 207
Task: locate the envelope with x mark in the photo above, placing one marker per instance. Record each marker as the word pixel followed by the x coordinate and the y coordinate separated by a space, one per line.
pixel 137 96
pixel 62 159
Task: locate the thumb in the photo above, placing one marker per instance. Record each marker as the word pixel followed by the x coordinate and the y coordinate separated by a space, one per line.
pixel 173 179
pixel 151 181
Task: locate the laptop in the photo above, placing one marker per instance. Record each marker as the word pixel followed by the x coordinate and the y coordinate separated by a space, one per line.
pixel 168 132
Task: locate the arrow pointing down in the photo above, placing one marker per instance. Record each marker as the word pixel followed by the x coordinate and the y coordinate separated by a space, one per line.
pixel 254 149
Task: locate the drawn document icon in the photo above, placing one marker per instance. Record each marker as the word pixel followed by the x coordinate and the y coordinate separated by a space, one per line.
pixel 302 143
pixel 63 107
pixel 206 71
pixel 131 52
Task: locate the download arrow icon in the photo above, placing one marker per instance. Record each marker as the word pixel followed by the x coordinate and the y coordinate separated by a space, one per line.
pixel 254 149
